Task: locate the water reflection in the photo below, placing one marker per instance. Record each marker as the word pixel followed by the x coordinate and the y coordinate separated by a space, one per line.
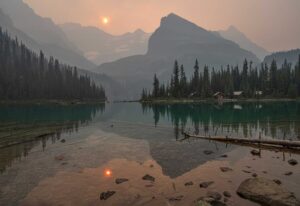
pixel 25 127
pixel 279 120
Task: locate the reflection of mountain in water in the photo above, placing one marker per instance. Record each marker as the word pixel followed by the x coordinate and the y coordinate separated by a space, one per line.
pixel 179 157
pixel 25 127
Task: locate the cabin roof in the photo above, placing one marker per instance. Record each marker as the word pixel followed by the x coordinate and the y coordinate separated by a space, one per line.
pixel 237 93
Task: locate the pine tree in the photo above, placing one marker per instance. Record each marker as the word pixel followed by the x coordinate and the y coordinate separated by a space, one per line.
pixel 155 92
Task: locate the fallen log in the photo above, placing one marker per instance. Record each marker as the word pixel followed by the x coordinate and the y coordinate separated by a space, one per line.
pixel 283 143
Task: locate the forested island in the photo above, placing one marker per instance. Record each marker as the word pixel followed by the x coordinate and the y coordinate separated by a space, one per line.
pixel 25 75
pixel 270 81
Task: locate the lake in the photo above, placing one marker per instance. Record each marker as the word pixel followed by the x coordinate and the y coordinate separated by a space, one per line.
pixel 69 155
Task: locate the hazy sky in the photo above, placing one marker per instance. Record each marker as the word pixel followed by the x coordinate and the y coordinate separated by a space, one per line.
pixel 273 24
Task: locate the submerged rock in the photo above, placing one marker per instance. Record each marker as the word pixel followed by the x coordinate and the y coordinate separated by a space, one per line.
pixel 214 195
pixel 278 182
pixel 59 157
pixel 226 194
pixel 208 152
pixel 106 195
pixel 202 203
pixel 209 201
pixel 206 184
pixel 292 162
pixel 224 155
pixel 225 169
pixel 255 152
pixel 121 180
pixel 149 178
pixel 266 192
pixel 178 198
pixel 254 175
pixel 63 141
pixel 188 183
pixel 288 173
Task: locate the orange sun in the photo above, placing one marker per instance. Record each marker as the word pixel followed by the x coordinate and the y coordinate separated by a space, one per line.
pixel 105 20
pixel 107 173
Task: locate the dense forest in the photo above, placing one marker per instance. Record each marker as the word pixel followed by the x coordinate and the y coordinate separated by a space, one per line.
pixel 25 75
pixel 267 82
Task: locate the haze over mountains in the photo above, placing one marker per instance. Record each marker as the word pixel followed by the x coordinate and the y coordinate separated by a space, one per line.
pixel 241 39
pixel 50 38
pixel 176 38
pixel 292 56
pixel 100 47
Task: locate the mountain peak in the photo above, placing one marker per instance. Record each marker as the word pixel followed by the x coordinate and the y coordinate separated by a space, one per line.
pixel 232 28
pixel 173 19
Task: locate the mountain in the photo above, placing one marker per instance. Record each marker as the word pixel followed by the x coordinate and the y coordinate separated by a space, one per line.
pixel 112 87
pixel 176 38
pixel 241 39
pixel 292 56
pixel 44 32
pixel 100 47
pixel 7 25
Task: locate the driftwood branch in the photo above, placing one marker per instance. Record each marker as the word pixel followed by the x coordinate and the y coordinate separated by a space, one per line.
pixel 282 143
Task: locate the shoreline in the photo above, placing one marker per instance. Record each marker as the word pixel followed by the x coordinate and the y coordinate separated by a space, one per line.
pixel 174 101
pixel 51 102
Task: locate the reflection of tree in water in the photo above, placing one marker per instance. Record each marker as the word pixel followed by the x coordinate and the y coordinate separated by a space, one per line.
pixel 276 119
pixel 25 127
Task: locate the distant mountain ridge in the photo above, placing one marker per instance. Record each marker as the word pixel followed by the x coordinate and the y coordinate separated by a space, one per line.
pixel 101 47
pixel 176 38
pixel 233 34
pixel 44 32
pixel 292 56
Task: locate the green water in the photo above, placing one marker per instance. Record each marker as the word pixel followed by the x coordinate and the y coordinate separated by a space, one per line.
pixel 117 130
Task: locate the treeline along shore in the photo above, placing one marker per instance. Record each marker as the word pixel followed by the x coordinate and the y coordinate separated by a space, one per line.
pixel 269 83
pixel 27 76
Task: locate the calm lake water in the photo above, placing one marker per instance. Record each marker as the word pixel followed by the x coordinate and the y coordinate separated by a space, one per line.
pixel 132 140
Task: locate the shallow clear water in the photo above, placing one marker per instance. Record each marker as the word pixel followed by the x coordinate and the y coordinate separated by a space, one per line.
pixel 132 140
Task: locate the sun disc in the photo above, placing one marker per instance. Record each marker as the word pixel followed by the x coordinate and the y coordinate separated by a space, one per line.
pixel 105 20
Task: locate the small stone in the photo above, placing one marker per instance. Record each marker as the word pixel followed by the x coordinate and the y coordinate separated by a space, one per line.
pixel 214 195
pixel 63 141
pixel 151 166
pixel 288 173
pixel 203 203
pixel 106 195
pixel 225 199
pixel 188 183
pixel 149 178
pixel 224 155
pixel 64 163
pixel 225 169
pixel 265 172
pixel 292 162
pixel 226 194
pixel 208 152
pixel 206 184
pixel 178 198
pixel 246 171
pixel 254 175
pixel 121 180
pixel 255 152
pixel 278 182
